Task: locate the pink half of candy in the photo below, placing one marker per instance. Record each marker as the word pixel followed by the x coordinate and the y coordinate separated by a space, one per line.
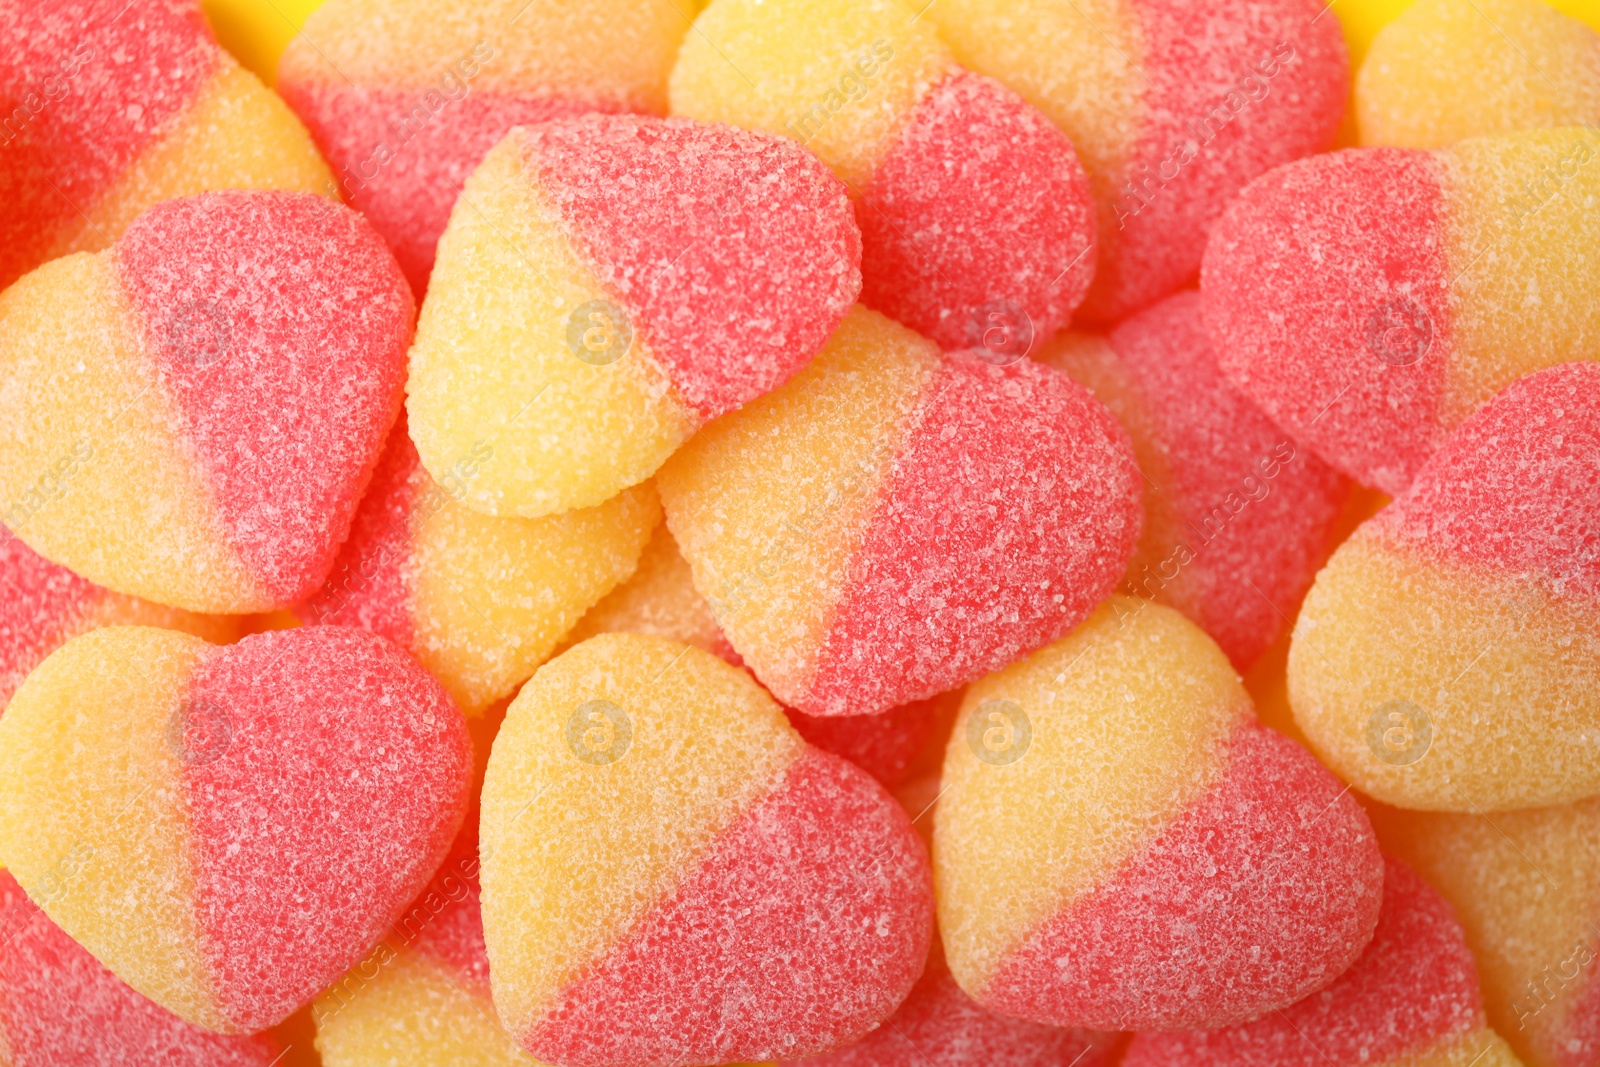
pixel 1413 991
pixel 1323 310
pixel 340 782
pixel 278 323
pixel 1516 490
pixel 1228 92
pixel 86 87
pixel 978 226
pixel 1238 515
pixel 60 1008
pixel 728 249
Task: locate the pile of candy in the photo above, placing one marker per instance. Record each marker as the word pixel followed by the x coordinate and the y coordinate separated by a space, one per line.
pixel 630 533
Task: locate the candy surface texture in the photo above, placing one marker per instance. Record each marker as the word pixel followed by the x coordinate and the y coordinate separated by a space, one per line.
pixel 894 523
pixel 1173 106
pixel 976 218
pixel 1371 299
pixel 672 875
pixel 406 98
pixel 191 416
pixel 1119 845
pixel 115 108
pixel 267 809
pixel 1411 1000
pixel 1447 70
pixel 1237 515
pixel 606 286
pixel 1447 656
pixel 58 1005
pixel 479 600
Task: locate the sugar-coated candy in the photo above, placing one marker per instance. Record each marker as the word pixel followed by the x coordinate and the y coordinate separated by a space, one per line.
pixel 606 286
pixel 480 600
pixel 1237 517
pixel 940 1026
pixel 1526 888
pixel 1447 70
pixel 661 600
pixel 1411 1000
pixel 229 829
pixel 1173 105
pixel 1448 656
pixel 406 98
pixel 977 222
pixel 885 744
pixel 423 995
pixel 43 606
pixel 1371 299
pixel 191 415
pixel 894 523
pixel 1120 846
pixel 112 108
pixel 672 875
pixel 60 1008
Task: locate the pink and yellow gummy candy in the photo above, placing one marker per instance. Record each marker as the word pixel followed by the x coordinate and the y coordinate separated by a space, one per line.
pixel 672 875
pixel 113 108
pixel 894 523
pixel 609 284
pixel 1119 845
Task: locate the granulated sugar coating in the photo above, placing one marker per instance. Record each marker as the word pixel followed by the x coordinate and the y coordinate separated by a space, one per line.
pixel 660 600
pixel 191 416
pixel 1448 657
pixel 1173 105
pixel 608 284
pixel 940 1026
pixel 114 108
pixel 423 994
pixel 268 808
pixel 977 228
pixel 671 875
pixel 42 606
pixel 479 600
pixel 58 1005
pixel 1526 887
pixel 421 997
pixel 1120 846
pixel 975 214
pixel 405 98
pixel 1370 300
pixel 894 523
pixel 1237 516
pixel 1446 70
pixel 884 745
pixel 1411 1000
